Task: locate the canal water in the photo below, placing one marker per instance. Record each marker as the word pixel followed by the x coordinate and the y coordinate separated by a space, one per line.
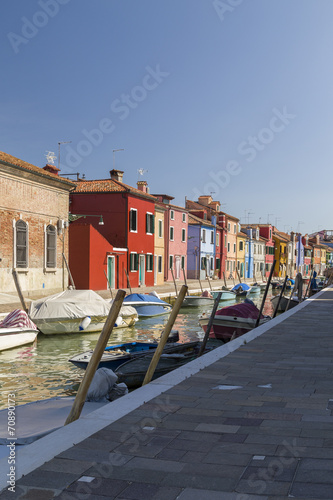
pixel 42 370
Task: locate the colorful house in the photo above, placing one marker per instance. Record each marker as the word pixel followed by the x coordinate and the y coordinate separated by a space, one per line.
pixel 128 215
pixel 231 224
pixel 201 248
pixel 175 238
pixel 281 242
pixel 249 267
pixel 159 257
pixel 241 247
pixel 307 256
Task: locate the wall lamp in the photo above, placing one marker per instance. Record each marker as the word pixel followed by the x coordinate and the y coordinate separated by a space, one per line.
pixel 74 217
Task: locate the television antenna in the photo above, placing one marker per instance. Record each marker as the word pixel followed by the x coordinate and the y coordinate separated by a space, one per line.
pixel 50 157
pixel 141 171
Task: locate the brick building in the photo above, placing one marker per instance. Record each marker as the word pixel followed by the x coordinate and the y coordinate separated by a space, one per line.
pixel 34 204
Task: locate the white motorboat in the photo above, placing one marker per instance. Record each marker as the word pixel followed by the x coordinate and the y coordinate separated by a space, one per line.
pixel 76 311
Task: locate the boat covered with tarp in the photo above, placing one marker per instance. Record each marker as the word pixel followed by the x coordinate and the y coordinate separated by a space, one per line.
pixel 147 304
pixel 75 311
pixel 17 329
pixel 232 321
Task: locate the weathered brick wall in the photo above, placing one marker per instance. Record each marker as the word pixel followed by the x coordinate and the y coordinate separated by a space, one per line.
pixel 38 205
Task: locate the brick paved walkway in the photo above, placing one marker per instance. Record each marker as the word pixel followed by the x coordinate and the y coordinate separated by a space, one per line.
pixel 256 424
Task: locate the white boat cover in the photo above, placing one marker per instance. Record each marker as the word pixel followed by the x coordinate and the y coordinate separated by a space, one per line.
pixel 69 304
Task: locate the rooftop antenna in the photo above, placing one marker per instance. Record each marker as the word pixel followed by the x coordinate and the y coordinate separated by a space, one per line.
pixel 50 157
pixel 248 216
pixel 141 171
pixel 298 225
pixel 268 215
pixel 59 143
pixel 114 156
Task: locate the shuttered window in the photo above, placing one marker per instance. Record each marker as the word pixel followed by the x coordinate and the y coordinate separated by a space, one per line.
pixel 51 246
pixel 21 244
pixel 133 225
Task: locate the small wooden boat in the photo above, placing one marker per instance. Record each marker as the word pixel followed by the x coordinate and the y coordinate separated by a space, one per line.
pixel 226 295
pixel 147 304
pixel 254 289
pixel 284 302
pixel 116 354
pixel 132 372
pixel 233 321
pixel 241 289
pixel 205 299
pixel 16 330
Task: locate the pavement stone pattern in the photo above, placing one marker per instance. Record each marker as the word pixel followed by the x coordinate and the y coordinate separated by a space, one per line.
pixel 269 439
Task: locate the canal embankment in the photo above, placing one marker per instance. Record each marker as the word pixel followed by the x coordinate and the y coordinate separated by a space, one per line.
pixel 249 420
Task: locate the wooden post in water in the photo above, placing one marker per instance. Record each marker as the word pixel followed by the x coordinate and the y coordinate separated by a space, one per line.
pixel 174 281
pixel 19 291
pixel 210 323
pixel 109 284
pixel 309 285
pixel 185 281
pixel 225 281
pixel 238 275
pixel 265 294
pixel 280 296
pixel 68 270
pixel 207 278
pixel 128 281
pixel 165 335
pixel 95 358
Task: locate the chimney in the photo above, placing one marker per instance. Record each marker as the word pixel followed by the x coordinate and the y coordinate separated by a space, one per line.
pixel 52 169
pixel 142 186
pixel 116 175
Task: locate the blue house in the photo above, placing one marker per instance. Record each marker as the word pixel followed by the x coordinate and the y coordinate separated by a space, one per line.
pixel 200 248
pixel 248 253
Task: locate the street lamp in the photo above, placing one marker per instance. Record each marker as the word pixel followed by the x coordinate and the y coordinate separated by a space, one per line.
pixel 74 217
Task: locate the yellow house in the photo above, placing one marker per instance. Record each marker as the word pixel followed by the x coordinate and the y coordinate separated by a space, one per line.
pixel 322 259
pixel 159 254
pixel 281 243
pixel 240 254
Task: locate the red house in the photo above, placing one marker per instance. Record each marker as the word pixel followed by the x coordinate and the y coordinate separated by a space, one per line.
pixel 266 232
pixel 128 215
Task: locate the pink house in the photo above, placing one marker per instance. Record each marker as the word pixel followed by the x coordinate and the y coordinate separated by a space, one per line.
pixel 175 238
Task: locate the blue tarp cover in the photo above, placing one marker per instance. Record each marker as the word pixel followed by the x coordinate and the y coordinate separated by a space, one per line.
pixel 243 285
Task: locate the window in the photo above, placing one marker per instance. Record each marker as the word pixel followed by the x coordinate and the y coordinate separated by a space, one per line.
pixel 171 233
pixel 217 239
pixel 171 262
pixel 241 246
pixel 149 262
pixel 134 262
pixel 212 237
pixel 227 265
pixel 218 264
pixel 211 264
pixel 160 228
pixel 203 263
pixel 225 240
pixel 234 247
pixel 204 236
pixel 133 226
pixel 228 246
pixel 51 247
pixel 270 234
pixel 21 246
pixel 159 264
pixel 184 217
pixel 149 223
pixel 183 235
pixel 183 262
pixel 229 227
pixel 235 230
pixel 172 214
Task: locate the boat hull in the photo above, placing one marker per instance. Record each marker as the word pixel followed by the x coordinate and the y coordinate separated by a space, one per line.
pixel 227 327
pixel 226 295
pixel 197 301
pixel 16 337
pixel 284 303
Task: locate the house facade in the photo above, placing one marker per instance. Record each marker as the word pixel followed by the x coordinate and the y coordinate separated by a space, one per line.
pixel 34 205
pixel 128 215
pixel 175 238
pixel 159 254
pixel 231 224
pixel 241 247
pixel 201 248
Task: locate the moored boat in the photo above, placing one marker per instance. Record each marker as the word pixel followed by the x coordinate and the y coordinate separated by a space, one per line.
pixel 285 299
pixel 147 304
pixel 225 295
pixel 241 289
pixel 75 311
pixel 16 329
pixel 233 321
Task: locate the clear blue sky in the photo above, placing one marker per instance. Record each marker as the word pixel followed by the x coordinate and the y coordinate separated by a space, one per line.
pixel 231 97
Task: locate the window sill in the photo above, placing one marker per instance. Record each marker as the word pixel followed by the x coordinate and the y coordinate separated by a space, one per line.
pixel 50 270
pixel 21 269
